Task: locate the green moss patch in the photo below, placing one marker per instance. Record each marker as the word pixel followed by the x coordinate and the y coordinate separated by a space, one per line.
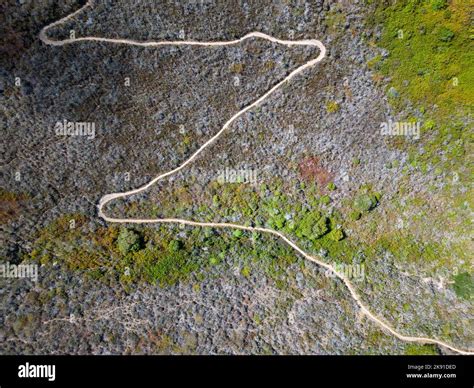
pixel 464 285
pixel 419 350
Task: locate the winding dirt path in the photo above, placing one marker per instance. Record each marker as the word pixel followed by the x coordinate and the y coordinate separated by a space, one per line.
pixel 109 197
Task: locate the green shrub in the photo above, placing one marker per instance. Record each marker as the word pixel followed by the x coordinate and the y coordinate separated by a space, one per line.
pixel 175 245
pixel 355 215
pixel 336 235
pixel 214 260
pixel 438 5
pixel 312 226
pixel 245 271
pixel 332 107
pixel 238 233
pixel 325 200
pixel 429 124
pixel 365 202
pixel 320 228
pixel 128 241
pixel 445 35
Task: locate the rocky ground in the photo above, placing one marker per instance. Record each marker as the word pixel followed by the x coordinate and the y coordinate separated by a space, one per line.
pixel 315 144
